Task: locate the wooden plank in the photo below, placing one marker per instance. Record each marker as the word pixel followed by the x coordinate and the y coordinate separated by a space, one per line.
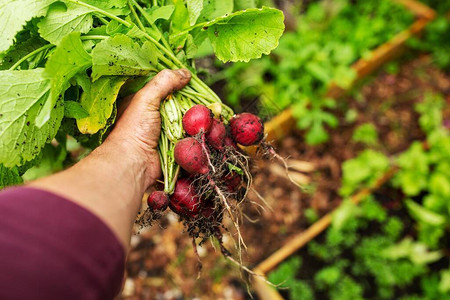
pixel 418 8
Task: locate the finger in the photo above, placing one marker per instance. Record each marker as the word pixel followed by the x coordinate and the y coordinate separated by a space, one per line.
pixel 164 83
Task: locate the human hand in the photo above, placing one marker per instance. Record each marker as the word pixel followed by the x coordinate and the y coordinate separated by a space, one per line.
pixel 138 128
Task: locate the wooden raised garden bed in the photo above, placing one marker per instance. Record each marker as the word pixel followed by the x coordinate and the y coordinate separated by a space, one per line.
pixel 283 124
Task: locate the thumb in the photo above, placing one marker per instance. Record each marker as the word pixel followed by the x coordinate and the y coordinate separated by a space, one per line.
pixel 163 84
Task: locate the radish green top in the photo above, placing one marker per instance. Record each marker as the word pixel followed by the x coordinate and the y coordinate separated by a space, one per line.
pixel 62 60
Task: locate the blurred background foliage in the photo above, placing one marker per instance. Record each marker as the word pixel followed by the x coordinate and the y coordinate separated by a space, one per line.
pixel 371 251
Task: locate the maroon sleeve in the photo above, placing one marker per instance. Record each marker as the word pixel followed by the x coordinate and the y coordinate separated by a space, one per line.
pixel 51 248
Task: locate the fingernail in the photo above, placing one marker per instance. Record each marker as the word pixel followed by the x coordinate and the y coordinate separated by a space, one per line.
pixel 184 73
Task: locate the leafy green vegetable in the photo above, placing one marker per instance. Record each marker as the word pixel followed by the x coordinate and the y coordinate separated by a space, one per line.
pixel 121 56
pixel 367 134
pixel 195 8
pixel 233 42
pixel 74 110
pixel 98 101
pixel 15 14
pixel 68 59
pixel 23 94
pixel 9 176
pixel 416 252
pixel 63 19
pixel 51 161
pixel 216 8
pixel 362 170
pixel 424 215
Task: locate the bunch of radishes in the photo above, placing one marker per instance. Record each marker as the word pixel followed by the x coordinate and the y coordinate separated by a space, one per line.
pixel 215 175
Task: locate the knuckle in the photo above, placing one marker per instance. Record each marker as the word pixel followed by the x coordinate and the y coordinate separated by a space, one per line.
pixel 167 75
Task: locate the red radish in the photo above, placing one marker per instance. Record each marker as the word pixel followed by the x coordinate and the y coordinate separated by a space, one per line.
pixel 158 201
pixel 184 200
pixel 228 142
pixel 197 119
pixel 232 181
pixel 216 135
pixel 247 129
pixel 190 155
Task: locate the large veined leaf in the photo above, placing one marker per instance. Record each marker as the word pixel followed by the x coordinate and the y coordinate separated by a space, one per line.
pixel 246 34
pixel 62 20
pixel 99 101
pixel 121 56
pixel 15 14
pixel 68 59
pixel 22 96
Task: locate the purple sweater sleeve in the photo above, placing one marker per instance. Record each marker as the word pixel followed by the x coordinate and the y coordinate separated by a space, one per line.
pixel 51 248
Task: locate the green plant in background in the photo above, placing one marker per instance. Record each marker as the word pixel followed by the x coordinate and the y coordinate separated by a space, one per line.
pixel 358 265
pixel 331 35
pixel 285 276
pixel 366 134
pixel 436 39
pixel 363 170
pixel 372 252
pixel 425 172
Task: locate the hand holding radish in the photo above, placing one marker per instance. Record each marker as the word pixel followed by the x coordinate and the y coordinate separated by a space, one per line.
pixel 140 123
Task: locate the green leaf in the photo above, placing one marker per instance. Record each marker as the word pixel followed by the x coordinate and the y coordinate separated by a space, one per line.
pixel 163 12
pixel 244 4
pixel 15 14
pixel 424 215
pixel 366 133
pixel 180 17
pixel 285 273
pixel 194 8
pixel 73 109
pixel 245 35
pixel 345 212
pixel 301 290
pixel 68 59
pixel 444 284
pixel 51 162
pixel 215 8
pixel 9 176
pixel 19 50
pixel 121 56
pixel 22 95
pixel 318 71
pixel 417 252
pixel 316 134
pixel 362 170
pixel 106 5
pixel 63 19
pixel 191 47
pixel 98 101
